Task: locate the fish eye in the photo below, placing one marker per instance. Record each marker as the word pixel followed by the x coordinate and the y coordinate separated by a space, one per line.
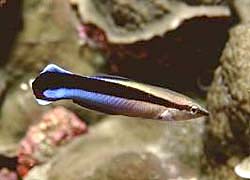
pixel 194 109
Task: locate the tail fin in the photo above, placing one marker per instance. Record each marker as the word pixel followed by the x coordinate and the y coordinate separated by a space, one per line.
pixel 39 101
pixel 37 83
pixel 54 68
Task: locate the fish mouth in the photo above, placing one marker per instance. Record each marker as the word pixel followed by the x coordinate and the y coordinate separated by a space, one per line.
pixel 204 112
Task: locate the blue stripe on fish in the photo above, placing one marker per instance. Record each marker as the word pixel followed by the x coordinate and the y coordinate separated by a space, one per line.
pixel 106 103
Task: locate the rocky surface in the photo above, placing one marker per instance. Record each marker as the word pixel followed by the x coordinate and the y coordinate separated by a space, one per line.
pixel 130 166
pixel 127 22
pixel 227 131
pixel 123 148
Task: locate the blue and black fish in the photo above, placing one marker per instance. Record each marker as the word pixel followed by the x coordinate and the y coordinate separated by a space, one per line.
pixel 114 95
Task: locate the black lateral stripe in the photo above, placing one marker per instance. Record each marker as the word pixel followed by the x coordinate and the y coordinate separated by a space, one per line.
pixel 51 80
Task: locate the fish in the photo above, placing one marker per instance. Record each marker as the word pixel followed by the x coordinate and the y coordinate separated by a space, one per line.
pixel 114 95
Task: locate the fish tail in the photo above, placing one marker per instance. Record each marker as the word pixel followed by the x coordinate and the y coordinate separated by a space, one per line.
pixel 39 85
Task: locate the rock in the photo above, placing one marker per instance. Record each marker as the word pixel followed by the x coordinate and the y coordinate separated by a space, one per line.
pixel 121 147
pixel 126 22
pixel 228 129
pixel 129 166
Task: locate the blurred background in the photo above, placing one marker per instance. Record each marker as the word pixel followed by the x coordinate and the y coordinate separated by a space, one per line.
pixel 200 48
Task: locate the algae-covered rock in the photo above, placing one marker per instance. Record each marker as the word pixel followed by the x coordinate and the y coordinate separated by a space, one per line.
pixel 129 166
pixel 126 21
pixel 228 129
pixel 123 148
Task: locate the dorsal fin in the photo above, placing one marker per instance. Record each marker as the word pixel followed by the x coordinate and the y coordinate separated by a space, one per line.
pixel 54 68
pixel 107 76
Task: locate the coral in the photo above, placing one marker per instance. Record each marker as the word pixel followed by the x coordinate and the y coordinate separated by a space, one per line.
pixel 56 127
pixel 6 174
pixel 130 21
pixel 228 129
pixel 242 8
pixel 182 60
pixel 129 50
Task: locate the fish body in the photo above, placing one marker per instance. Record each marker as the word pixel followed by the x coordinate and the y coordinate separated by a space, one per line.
pixel 114 95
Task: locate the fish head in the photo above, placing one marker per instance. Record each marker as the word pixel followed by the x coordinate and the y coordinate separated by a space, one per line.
pixel 187 108
pixel 192 112
pixel 187 113
pixel 181 107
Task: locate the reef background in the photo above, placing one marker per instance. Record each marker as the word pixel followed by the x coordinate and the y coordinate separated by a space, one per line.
pixel 197 47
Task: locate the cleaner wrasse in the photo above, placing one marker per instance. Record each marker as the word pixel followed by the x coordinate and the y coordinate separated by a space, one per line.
pixel 114 95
